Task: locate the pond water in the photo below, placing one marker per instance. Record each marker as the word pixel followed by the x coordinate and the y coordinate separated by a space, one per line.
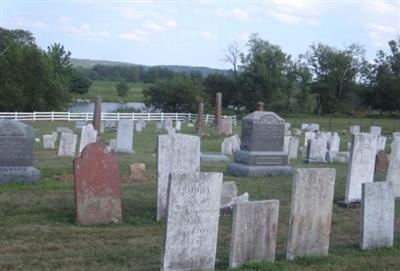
pixel 79 107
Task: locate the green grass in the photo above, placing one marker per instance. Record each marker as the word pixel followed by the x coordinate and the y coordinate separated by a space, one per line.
pixel 107 91
pixel 37 229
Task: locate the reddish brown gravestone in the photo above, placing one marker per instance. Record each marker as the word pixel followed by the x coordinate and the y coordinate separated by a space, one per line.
pixel 381 163
pixel 97 192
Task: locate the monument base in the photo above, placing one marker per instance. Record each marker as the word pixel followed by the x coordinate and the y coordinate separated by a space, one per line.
pixel 215 157
pixel 28 175
pixel 244 170
pixel 352 204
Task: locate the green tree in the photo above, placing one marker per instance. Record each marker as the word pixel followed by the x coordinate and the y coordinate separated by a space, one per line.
pixel 60 58
pixel 79 82
pixel 179 94
pixel 122 89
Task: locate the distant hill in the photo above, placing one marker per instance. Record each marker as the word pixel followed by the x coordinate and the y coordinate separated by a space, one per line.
pixel 87 63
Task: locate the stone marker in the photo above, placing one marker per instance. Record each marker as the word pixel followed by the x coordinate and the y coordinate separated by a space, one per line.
pixel 334 143
pixel 287 129
pixel 63 130
pixel 308 136
pixel 160 125
pixel 230 145
pixel 112 143
pixel 381 162
pixel 375 130
pixel 261 152
pixel 137 172
pixel 48 142
pixel 67 144
pixel 167 124
pixel 381 143
pixel 138 127
pixel 377 215
pixel 396 134
pixel 218 113
pixel 178 125
pixel 97 115
pixel 286 142
pixel 317 148
pixel 199 120
pixel 97 192
pixel 16 153
pixel 176 153
pixel 124 142
pixel 361 165
pixel 393 173
pixel 311 212
pixel 55 136
pixel 254 230
pixel 229 191
pixel 293 147
pixel 297 132
pixel 192 221
pixel 213 157
pixel 355 129
pixel 88 135
pixel 310 127
pixel 226 127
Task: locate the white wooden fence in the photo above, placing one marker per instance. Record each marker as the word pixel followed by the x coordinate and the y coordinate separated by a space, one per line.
pixel 86 116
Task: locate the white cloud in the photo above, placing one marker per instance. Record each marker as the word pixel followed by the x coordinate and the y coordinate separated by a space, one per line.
pixel 85 29
pixel 63 19
pixel 235 13
pixel 312 22
pixel 286 18
pixel 135 35
pixel 379 34
pixel 206 35
pixel 241 37
pixel 159 26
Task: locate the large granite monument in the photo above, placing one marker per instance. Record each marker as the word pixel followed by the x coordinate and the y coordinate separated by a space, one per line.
pixel 261 152
pixel 16 153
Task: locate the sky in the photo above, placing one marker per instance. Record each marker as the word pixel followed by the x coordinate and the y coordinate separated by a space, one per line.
pixel 198 32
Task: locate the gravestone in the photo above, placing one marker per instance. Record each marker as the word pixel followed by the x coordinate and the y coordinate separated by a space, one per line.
pixel 48 142
pixel 393 173
pixel 381 162
pixel 308 136
pixel 317 148
pixel 286 142
pixel 311 212
pixel 97 115
pixel 297 132
pixel 137 172
pixel 355 129
pixel 218 113
pixel 229 191
pixel 97 191
pixel 192 221
pixel 55 136
pixel 88 135
pixel 16 153
pixel 334 143
pixel 124 142
pixel 67 144
pixel 361 165
pixel 160 125
pixel 375 130
pixel 176 153
pixel 254 230
pixel 138 127
pixel 111 144
pixel 167 124
pixel 63 130
pixel 261 152
pixel 377 215
pixel 310 127
pixel 178 125
pixel 199 120
pixel 381 143
pixel 226 127
pixel 230 145
pixel 287 129
pixel 293 147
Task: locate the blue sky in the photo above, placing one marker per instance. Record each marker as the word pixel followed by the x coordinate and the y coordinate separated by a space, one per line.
pixel 198 32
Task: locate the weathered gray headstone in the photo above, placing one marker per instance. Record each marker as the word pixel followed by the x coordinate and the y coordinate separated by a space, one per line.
pixel 286 142
pixel 230 145
pixel 334 143
pixel 317 148
pixel 293 147
pixel 375 130
pixel 355 129
pixel 310 127
pixel 124 143
pixel 48 142
pixel 229 191
pixel 381 143
pixel 192 221
pixel 16 153
pixel 297 132
pixel 167 124
pixel 377 215
pixel 138 127
pixel 361 165
pixel 254 230
pixel 287 129
pixel 393 173
pixel 112 144
pixel 176 153
pixel 55 136
pixel 178 125
pixel 88 135
pixel 311 212
pixel 67 144
pixel 308 136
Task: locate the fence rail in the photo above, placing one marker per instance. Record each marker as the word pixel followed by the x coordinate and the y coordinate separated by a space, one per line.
pixel 86 116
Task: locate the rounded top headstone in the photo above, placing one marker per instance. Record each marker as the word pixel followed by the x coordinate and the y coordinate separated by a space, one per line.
pixel 260 106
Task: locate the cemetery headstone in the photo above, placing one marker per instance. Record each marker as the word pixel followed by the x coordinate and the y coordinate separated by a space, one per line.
pixel 192 221
pixel 377 215
pixel 137 172
pixel 176 153
pixel 381 143
pixel 178 125
pixel 97 191
pixel 293 147
pixel 199 120
pixel 97 115
pixel 375 130
pixel 226 127
pixel 317 148
pixel 218 113
pixel 393 173
pixel 229 191
pixel 381 162
pixel 286 142
pixel 355 129
pixel 138 127
pixel 88 135
pixel 254 230
pixel 167 124
pixel 124 142
pixel 311 212
pixel 16 153
pixel 334 143
pixel 49 142
pixel 67 144
pixel 361 165
pixel 230 145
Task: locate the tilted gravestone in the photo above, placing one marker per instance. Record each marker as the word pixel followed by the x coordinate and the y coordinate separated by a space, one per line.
pixel 176 153
pixel 67 144
pixel 361 165
pixel 124 142
pixel 254 230
pixel 311 212
pixel 97 188
pixel 261 152
pixel 16 153
pixel 377 215
pixel 381 145
pixel 393 173
pixel 192 221
pixel 88 135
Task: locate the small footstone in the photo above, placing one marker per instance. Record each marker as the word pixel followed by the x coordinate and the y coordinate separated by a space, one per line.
pixel 137 172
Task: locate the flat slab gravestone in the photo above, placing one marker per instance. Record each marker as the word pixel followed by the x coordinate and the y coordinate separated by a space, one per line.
pixel 67 144
pixel 393 173
pixel 377 215
pixel 16 153
pixel 97 187
pixel 361 165
pixel 124 142
pixel 192 222
pixel 254 230
pixel 48 142
pixel 176 153
pixel 311 212
pixel 88 135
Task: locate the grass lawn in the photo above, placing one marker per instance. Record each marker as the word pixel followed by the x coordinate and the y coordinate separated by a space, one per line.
pixel 37 229
pixel 108 92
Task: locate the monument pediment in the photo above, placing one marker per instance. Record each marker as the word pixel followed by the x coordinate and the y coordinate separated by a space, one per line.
pixel 261 117
pixel 12 128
